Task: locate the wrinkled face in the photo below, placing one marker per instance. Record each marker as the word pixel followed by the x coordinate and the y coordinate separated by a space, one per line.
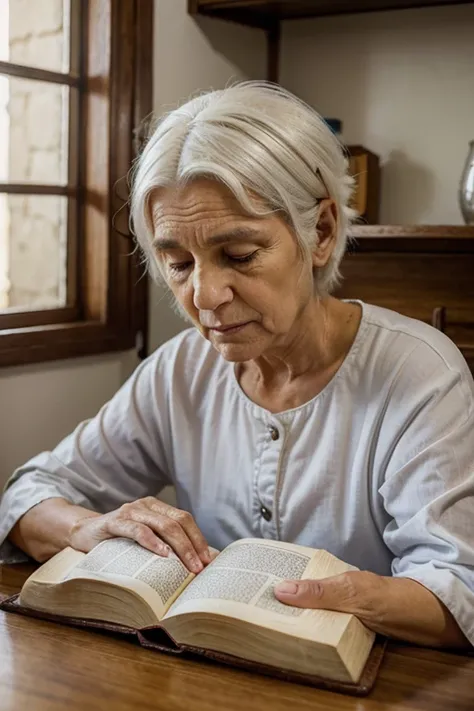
pixel 240 279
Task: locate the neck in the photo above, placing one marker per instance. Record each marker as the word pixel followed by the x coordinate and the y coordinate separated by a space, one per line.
pixel 317 345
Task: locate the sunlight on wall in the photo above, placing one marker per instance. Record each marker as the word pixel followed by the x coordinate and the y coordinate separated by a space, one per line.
pixel 4 131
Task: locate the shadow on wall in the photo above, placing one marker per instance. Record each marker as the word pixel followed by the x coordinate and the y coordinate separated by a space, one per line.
pixel 407 183
pixel 245 53
pixel 304 71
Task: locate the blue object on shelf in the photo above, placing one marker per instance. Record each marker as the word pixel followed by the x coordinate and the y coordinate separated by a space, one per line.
pixel 335 125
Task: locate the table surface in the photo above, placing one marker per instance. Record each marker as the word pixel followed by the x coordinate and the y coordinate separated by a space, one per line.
pixel 51 667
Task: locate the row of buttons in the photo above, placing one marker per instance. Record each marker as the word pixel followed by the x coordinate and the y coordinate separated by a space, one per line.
pixel 266 513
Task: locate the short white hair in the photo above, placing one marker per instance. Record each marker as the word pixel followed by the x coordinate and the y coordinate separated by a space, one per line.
pixel 254 137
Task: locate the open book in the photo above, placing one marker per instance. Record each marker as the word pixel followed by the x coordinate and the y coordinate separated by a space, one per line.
pixel 227 609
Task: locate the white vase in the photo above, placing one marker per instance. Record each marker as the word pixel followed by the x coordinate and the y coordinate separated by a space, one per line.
pixel 466 188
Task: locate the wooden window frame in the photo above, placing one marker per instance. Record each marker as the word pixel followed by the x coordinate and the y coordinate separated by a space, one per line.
pixel 115 94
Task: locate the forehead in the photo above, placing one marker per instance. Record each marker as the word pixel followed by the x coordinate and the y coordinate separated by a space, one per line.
pixel 202 201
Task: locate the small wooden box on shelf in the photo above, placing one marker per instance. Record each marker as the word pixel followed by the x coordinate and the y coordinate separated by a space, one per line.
pixel 423 271
pixel 365 169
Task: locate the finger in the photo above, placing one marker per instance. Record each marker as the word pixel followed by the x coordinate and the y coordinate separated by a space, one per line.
pixel 344 593
pixel 172 533
pixel 300 593
pixel 140 533
pixel 187 523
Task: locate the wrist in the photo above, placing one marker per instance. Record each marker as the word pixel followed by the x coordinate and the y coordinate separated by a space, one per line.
pixel 74 535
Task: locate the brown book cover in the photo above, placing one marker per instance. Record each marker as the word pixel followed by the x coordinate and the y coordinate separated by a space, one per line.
pixel 157 639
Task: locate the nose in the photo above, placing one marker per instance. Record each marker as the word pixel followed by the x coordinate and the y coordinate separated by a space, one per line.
pixel 211 288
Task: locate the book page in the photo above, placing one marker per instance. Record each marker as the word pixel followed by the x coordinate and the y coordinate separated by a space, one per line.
pixel 240 583
pixel 246 572
pixel 56 568
pixel 124 562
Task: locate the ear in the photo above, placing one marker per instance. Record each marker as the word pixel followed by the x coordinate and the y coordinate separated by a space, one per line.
pixel 326 233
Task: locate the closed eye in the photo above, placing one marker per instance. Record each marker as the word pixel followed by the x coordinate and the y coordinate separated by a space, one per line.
pixel 242 260
pixel 180 267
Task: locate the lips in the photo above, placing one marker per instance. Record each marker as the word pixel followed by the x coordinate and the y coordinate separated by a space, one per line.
pixel 230 327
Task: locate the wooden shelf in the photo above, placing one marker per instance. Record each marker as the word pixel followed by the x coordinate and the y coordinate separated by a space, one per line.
pixel 266 13
pixel 412 238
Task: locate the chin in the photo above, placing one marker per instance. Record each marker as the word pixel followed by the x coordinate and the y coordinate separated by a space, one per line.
pixel 238 352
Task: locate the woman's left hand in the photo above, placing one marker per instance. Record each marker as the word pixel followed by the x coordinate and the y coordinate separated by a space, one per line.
pixel 396 607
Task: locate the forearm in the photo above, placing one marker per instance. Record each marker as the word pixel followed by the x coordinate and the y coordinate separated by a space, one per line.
pixel 411 612
pixel 45 529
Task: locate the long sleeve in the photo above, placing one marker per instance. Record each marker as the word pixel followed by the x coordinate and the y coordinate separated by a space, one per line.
pixel 117 456
pixel 429 485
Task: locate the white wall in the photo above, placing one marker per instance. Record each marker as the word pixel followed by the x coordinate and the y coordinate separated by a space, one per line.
pixel 40 405
pixel 403 84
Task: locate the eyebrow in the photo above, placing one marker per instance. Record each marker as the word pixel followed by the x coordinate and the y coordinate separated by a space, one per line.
pixel 238 233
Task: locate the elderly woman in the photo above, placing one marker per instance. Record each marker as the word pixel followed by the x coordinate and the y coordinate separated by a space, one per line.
pixel 285 413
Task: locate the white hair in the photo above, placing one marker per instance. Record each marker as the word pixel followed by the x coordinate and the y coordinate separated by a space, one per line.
pixel 254 137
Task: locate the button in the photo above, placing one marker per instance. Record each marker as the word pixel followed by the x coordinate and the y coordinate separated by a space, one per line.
pixel 266 513
pixel 274 434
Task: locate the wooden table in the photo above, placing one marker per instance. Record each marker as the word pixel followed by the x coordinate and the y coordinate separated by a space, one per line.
pixel 49 667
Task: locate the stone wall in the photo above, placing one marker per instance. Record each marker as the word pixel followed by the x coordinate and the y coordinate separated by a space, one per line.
pixel 38 114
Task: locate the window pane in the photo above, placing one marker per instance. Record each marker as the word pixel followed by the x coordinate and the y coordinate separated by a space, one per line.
pixel 35 33
pixel 33 131
pixel 33 251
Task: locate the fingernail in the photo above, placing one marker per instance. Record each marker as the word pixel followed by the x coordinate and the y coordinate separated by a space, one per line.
pixel 164 551
pixel 194 563
pixel 206 556
pixel 287 588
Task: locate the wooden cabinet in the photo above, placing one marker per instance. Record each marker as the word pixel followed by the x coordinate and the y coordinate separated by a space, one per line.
pixel 426 272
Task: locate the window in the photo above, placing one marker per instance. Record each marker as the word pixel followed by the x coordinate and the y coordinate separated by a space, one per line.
pixel 75 86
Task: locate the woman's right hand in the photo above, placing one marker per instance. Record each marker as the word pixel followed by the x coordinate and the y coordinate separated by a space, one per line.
pixel 151 523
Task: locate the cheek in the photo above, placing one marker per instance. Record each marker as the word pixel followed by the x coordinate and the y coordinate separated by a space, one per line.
pixel 282 293
pixel 277 307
